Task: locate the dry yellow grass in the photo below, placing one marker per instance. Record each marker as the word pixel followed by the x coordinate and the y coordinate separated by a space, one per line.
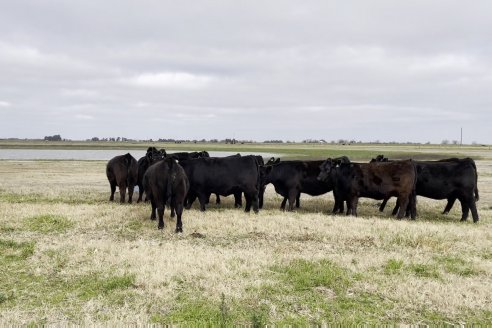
pixel 230 265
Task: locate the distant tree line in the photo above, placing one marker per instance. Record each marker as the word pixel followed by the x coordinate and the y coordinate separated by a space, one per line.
pixel 233 141
pixel 55 137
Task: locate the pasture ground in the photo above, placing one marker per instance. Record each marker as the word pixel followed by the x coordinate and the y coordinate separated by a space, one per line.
pixel 68 255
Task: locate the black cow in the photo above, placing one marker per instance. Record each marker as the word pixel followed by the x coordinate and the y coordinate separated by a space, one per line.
pixel 377 180
pixel 166 181
pixel 181 156
pixel 122 172
pixel 223 176
pixel 143 164
pixel 451 179
pixel 291 178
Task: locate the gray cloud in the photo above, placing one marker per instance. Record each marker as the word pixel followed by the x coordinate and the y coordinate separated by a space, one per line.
pixel 378 70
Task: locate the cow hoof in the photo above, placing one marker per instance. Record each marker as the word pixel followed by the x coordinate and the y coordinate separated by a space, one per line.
pixel 179 230
pixel 463 220
pixel 475 221
pixel 160 227
pixel 445 213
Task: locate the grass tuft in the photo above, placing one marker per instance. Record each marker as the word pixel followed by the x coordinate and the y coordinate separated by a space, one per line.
pixel 48 223
pixel 458 266
pixel 424 270
pixel 14 251
pixel 393 266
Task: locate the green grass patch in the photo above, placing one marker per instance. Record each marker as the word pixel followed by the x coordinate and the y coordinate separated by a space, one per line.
pixel 48 223
pixel 91 286
pixel 15 251
pixel 303 275
pixel 316 293
pixel 424 270
pixel 393 266
pixel 457 265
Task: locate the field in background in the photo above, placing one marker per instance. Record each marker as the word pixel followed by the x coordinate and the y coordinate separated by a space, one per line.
pixel 67 255
pixel 295 150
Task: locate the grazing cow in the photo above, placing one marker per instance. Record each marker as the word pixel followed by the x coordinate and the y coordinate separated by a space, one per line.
pixel 377 180
pixel 223 176
pixel 122 172
pixel 451 179
pixel 143 163
pixel 165 181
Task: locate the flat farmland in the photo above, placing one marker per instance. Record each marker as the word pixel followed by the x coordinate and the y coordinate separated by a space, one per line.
pixel 69 256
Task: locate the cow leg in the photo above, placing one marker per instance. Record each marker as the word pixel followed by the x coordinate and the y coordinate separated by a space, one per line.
pixel 217 199
pixel 152 213
pixel 282 205
pixel 160 214
pixel 449 205
pixel 403 201
pixel 260 197
pixel 298 200
pixel 131 187
pixel 473 208
pixel 396 209
pixel 255 201
pixel 140 193
pixel 383 204
pixel 464 209
pixel 179 212
pixel 122 192
pixel 113 190
pixel 173 207
pixel 249 199
pixel 413 206
pixel 238 200
pixel 190 199
pixel 341 206
pixel 292 198
pixel 203 201
pixel 352 206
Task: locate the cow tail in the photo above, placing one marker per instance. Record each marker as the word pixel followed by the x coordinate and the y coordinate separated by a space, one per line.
pixel 414 190
pixel 258 178
pixel 170 180
pixel 128 164
pixel 477 197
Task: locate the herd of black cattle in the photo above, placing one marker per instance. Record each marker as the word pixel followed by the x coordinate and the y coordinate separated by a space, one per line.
pixel 178 179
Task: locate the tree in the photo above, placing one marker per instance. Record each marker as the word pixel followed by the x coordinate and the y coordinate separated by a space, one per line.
pixel 445 142
pixel 55 137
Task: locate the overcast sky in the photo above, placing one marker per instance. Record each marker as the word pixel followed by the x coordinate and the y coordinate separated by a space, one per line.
pixel 365 70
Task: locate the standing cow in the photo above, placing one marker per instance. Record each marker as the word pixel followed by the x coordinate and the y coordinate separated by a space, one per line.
pixel 291 178
pixel 450 179
pixel 377 180
pixel 166 181
pixel 223 176
pixel 143 163
pixel 122 172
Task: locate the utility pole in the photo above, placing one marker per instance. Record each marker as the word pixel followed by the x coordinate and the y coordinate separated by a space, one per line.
pixel 461 136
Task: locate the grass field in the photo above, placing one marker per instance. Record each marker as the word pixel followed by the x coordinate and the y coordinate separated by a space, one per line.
pixel 69 256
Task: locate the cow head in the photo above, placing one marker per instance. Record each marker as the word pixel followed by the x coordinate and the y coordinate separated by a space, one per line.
pixel 325 169
pixel 379 158
pixel 273 161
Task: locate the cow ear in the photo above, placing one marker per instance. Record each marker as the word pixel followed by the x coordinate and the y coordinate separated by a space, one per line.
pixel 277 161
